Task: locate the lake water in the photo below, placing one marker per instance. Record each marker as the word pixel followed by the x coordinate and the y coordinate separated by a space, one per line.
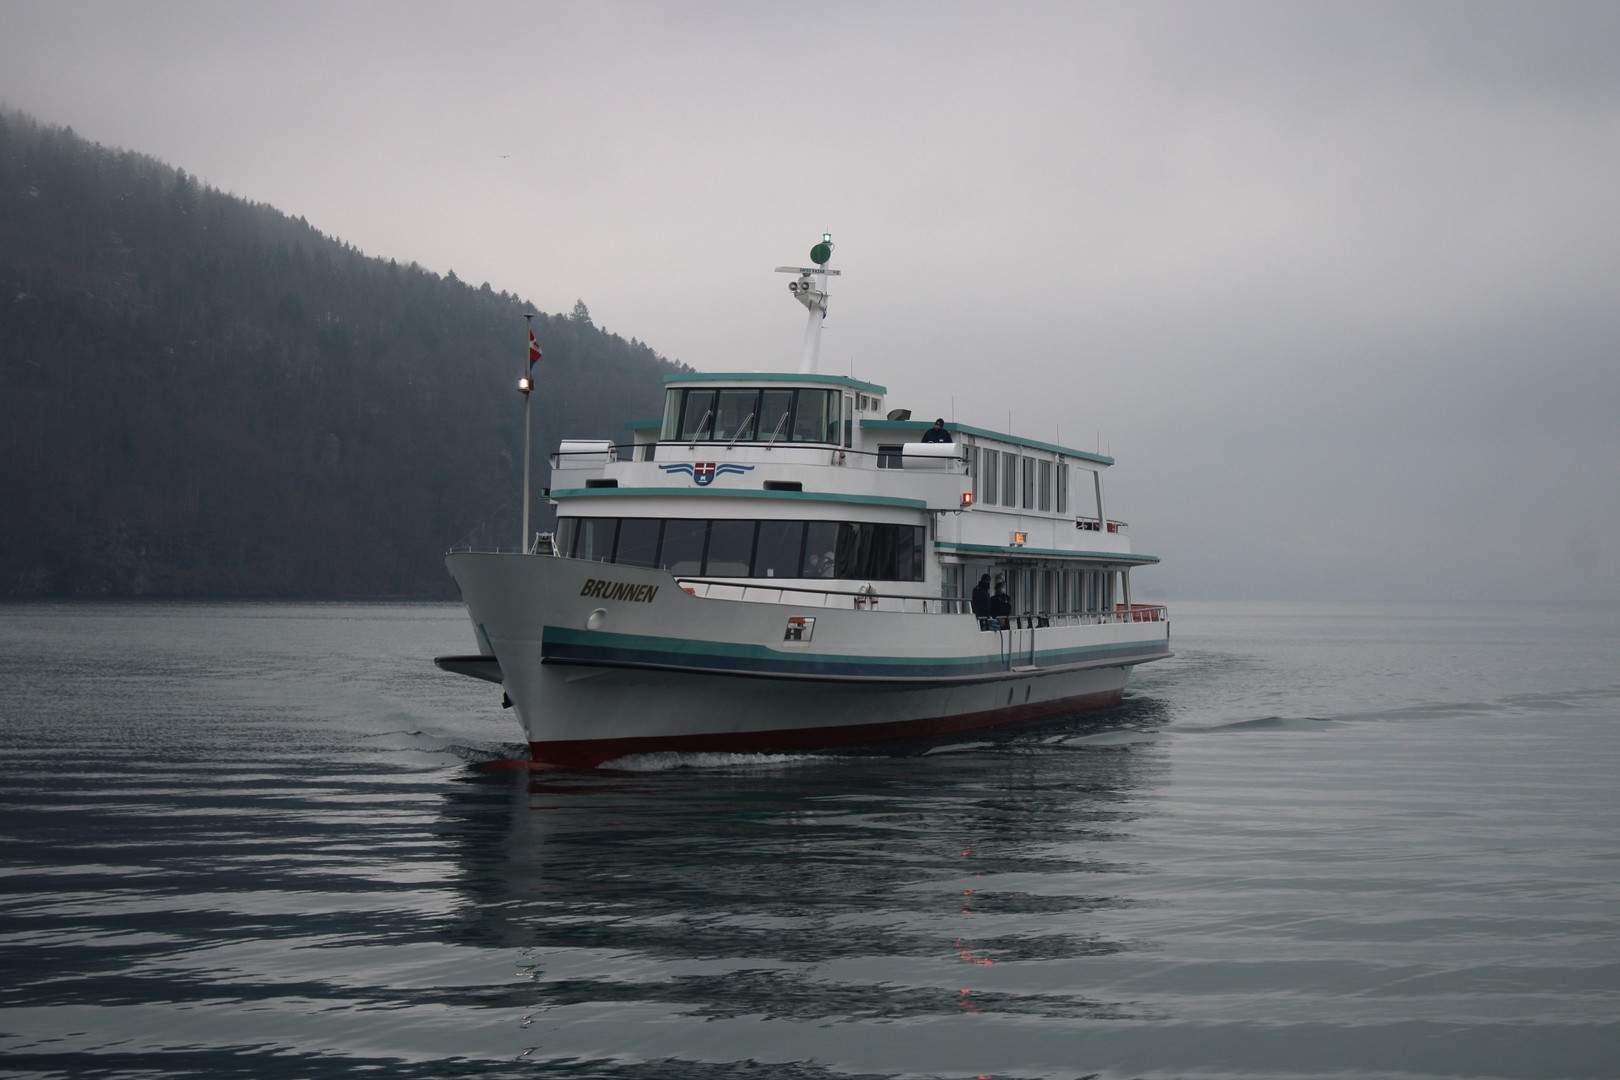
pixel 1322 841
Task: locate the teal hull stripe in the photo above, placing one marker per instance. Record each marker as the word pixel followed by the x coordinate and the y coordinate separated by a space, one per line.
pixel 564 645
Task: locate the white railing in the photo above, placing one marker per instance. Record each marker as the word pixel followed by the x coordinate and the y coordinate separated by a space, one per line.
pixel 862 598
pixel 1086 524
pixel 803 596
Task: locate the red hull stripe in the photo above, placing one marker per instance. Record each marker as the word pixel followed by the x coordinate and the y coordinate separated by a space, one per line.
pixel 589 753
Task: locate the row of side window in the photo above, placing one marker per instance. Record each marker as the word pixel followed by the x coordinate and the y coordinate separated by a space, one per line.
pixel 1003 478
pixel 850 550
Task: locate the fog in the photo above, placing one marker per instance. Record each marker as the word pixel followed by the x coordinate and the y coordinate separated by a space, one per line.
pixel 1337 284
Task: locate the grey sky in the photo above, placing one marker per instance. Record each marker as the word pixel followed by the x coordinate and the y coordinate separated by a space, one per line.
pixel 1339 284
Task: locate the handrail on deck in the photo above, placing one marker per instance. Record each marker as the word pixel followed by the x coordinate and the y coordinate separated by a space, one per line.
pixel 867 598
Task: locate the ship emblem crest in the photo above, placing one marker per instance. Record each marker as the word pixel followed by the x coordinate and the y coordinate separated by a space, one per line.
pixel 704 472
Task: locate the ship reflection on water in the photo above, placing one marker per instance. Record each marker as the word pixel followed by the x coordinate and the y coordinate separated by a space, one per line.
pixel 868 887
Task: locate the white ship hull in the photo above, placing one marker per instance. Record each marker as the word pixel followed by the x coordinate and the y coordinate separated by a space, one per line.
pixel 601 661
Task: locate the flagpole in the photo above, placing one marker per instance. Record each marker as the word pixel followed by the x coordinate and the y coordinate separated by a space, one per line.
pixel 525 385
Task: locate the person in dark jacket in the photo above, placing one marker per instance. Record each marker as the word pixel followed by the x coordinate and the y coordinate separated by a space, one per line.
pixel 937 433
pixel 981 597
pixel 1000 603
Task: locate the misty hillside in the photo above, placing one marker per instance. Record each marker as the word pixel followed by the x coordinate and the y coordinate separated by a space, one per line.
pixel 203 396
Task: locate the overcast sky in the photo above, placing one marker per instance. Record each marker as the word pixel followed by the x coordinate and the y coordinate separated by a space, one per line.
pixel 1338 284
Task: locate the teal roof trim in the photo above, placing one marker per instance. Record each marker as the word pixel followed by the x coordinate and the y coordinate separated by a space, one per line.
pixel 1000 549
pixel 983 433
pixel 772 376
pixel 739 493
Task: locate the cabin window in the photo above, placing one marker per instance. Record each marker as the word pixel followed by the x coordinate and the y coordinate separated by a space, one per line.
pixel 593 539
pixel 1044 489
pixel 736 415
pixel 951 578
pixel 820 544
pixel 638 541
pixel 865 551
pixel 891 456
pixel 1029 483
pixel 1063 489
pixel 780 549
pixel 881 551
pixel 1009 479
pixel 682 552
pixel 990 462
pixel 731 548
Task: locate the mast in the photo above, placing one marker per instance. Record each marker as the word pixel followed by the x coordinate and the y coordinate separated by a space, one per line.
pixel 813 295
pixel 525 385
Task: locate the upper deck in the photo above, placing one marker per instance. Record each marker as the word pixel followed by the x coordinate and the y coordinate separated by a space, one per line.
pixel 813 446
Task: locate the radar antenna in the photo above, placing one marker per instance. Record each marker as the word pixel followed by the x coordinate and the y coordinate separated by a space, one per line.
pixel 813 295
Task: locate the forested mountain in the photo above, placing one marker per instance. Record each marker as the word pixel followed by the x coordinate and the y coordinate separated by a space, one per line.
pixel 200 396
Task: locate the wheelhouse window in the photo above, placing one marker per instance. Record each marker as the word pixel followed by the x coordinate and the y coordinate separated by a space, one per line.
pixel 1009 478
pixel 775 410
pixel 816 419
pixel 672 414
pixel 749 414
pixel 697 417
pixel 1044 490
pixel 990 466
pixel 736 415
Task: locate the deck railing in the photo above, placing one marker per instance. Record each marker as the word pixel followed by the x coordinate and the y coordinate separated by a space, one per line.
pixel 863 599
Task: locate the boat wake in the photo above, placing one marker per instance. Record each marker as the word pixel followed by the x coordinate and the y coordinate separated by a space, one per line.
pixel 1262 723
pixel 669 761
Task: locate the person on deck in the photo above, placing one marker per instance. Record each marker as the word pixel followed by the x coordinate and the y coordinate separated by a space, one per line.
pixel 981 598
pixel 937 433
pixel 1000 603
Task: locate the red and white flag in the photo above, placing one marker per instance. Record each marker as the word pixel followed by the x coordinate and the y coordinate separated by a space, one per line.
pixel 534 349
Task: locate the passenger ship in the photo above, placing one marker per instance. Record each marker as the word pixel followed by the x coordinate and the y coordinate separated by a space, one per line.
pixel 782 563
